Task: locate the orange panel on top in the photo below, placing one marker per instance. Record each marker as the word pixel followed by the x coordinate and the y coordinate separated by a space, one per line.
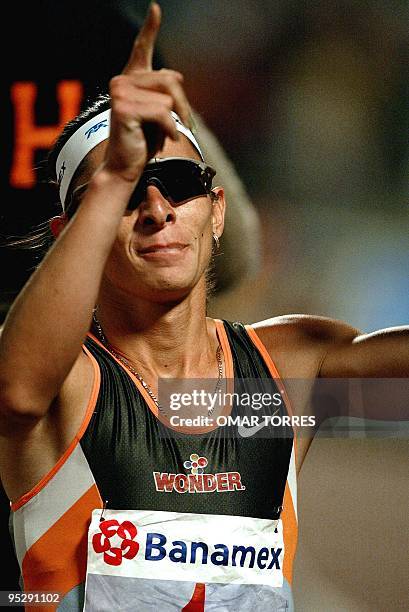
pixel 58 560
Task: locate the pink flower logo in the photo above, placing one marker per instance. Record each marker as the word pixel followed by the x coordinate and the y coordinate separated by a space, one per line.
pixel 128 548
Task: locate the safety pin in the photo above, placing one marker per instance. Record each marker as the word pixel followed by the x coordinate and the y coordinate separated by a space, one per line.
pixel 104 507
pixel 280 509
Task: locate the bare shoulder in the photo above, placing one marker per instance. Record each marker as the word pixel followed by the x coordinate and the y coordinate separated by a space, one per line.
pixel 313 328
pixel 298 342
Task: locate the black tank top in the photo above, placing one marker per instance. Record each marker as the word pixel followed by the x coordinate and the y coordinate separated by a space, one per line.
pixel 125 446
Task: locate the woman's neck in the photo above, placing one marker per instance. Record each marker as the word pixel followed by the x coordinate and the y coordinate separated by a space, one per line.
pixel 166 339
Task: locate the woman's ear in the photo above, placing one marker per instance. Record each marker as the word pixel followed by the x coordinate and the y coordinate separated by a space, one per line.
pixel 219 208
pixel 57 224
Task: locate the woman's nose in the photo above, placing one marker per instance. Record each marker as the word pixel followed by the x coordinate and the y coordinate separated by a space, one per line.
pixel 155 209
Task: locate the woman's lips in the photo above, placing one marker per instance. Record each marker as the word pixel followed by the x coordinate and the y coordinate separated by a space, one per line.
pixel 162 250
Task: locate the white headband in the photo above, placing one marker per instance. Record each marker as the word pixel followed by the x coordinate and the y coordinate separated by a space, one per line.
pixel 87 137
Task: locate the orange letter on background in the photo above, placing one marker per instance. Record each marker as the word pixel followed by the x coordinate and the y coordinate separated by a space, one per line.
pixel 28 135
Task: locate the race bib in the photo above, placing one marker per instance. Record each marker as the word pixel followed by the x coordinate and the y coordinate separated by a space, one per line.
pixel 165 547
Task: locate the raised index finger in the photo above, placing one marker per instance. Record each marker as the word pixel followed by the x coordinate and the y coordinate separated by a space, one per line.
pixel 142 51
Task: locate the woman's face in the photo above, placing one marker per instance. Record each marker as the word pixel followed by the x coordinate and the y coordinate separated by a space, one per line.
pixel 162 250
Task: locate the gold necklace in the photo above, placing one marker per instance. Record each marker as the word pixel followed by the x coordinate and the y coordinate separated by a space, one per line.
pixel 139 376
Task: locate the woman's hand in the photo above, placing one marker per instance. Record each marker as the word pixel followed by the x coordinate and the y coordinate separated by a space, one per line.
pixel 142 99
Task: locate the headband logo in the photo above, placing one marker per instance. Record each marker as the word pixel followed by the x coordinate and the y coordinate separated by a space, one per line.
pixel 61 172
pixel 94 128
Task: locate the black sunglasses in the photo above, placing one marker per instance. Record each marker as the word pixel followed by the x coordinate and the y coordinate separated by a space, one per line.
pixel 178 179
